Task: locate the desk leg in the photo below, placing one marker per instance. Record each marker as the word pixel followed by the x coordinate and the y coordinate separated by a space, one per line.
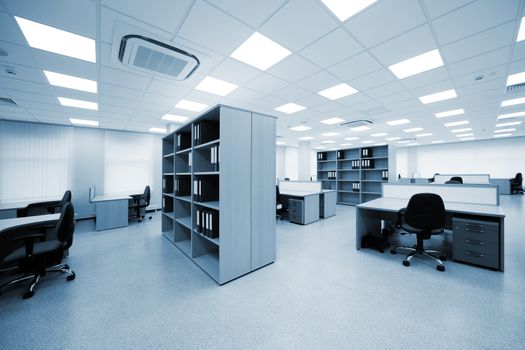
pixel 111 214
pixel 366 221
pixel 501 243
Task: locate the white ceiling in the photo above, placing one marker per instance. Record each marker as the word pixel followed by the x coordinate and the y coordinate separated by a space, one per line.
pixel 475 38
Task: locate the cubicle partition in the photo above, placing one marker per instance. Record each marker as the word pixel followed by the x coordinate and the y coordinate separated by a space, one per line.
pixel 300 186
pixel 467 178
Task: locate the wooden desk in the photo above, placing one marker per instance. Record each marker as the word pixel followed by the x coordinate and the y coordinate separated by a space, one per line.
pixel 111 211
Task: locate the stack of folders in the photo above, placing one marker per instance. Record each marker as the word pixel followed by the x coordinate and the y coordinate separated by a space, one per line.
pixel 321 156
pixel 205 131
pixel 355 164
pixel 340 154
pixel 367 163
pixel 332 175
pixel 384 174
pixel 183 141
pixel 204 191
pixel 190 160
pixel 355 186
pixel 208 223
pixel 366 152
pixel 182 186
pixel 215 157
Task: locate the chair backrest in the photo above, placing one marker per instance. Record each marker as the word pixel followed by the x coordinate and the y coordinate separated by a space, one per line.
pixel 452 182
pixel 65 198
pixel 66 224
pixel 277 194
pixel 519 178
pixel 425 211
pixel 457 178
pixel 147 195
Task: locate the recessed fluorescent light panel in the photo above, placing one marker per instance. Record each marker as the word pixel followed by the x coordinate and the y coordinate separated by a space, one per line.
pixel 461 122
pixel 319 147
pixel 290 108
pixel 328 141
pixel 346 9
pixel 71 102
pixel 465 135
pixel 260 52
pixel 338 91
pixel 71 82
pixel 280 143
pixel 468 139
pixel 191 106
pixel 40 36
pixel 85 122
pixel 175 118
pixel 300 128
pixel 507 124
pixel 504 130
pixel 351 138
pixel 306 138
pixel 521 32
pixel 393 138
pixel 216 86
pixel 511 115
pixel 424 135
pixel 379 134
pixel 332 121
pixel 438 96
pixel 517 78
pixel 360 128
pixel 438 141
pixel 398 122
pixel 513 102
pixel 450 113
pixel 346 144
pixel 404 141
pixel 157 130
pixel 502 135
pixel 415 65
pixel 461 130
pixel 330 134
pixel 367 141
pixel 413 129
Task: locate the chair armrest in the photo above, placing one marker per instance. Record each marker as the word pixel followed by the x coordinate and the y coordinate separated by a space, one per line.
pixel 29 241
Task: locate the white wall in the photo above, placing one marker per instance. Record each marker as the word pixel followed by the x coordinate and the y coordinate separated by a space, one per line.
pixel 291 167
pixel 501 158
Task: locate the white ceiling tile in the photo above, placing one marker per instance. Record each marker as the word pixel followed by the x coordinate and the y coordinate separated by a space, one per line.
pixel 152 110
pixel 271 102
pixel 318 82
pixel 202 97
pixel 291 93
pixel 221 33
pixel 59 63
pixel 246 95
pixel 354 67
pixel 398 97
pixel 439 8
pixel 159 100
pixel 293 68
pixel 77 16
pixel 235 72
pixel 425 78
pixel 22 117
pixel 374 79
pixel 108 123
pixel 23 73
pixel 328 107
pixel 519 51
pixel 489 40
pixel 116 101
pixel 405 46
pixel 311 101
pixel 252 12
pixel 119 91
pixel 266 83
pixel 21 55
pixel 125 79
pixel 298 23
pixel 332 48
pixel 352 100
pixel 10 30
pixel 482 15
pixel 385 90
pixel 385 20
pixel 495 75
pixel 169 88
pixel 166 15
pixel 111 108
pixel 480 62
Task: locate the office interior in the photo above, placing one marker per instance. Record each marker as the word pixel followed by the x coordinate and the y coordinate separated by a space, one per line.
pixel 430 89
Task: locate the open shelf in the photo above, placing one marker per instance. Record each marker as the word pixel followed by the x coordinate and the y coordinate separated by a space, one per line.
pixel 210 264
pixel 186 221
pixel 184 198
pixel 185 246
pixel 212 204
pixel 186 150
pixel 208 144
pixel 206 173
pixel 215 241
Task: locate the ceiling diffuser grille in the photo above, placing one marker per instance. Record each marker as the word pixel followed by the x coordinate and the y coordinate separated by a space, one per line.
pixel 6 101
pixel 515 88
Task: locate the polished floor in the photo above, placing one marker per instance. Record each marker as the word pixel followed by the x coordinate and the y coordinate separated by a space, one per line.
pixel 135 290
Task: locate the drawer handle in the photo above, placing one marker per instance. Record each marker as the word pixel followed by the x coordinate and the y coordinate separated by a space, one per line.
pixel 476 230
pixel 477 255
pixel 469 241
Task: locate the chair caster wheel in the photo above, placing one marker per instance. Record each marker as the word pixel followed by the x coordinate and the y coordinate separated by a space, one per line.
pixel 440 268
pixel 28 294
pixel 150 217
pixel 443 257
pixel 406 262
pixel 393 251
pixel 71 277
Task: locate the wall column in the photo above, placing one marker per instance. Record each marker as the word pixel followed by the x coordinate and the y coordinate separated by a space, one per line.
pixel 303 160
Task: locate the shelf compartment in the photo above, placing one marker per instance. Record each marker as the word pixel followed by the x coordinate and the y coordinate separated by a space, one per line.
pixel 185 246
pixel 182 238
pixel 182 186
pixel 167 165
pixel 185 221
pixel 206 256
pixel 167 227
pixel 168 143
pixel 215 241
pixel 211 205
pixel 168 155
pixel 168 214
pixel 207 186
pixel 205 159
pixel 208 144
pixel 184 198
pixel 182 151
pixel 167 184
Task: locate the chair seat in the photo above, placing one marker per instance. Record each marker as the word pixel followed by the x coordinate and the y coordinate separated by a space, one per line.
pixel 40 248
pixel 411 229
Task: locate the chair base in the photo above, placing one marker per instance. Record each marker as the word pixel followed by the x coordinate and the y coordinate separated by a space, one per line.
pixel 35 278
pixel 427 253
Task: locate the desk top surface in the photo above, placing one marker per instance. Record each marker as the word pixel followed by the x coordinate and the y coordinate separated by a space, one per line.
pixel 394 205
pixel 28 221
pixel 25 203
pixel 304 193
pixel 111 197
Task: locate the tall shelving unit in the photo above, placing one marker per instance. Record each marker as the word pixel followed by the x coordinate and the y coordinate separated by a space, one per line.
pixel 229 154
pixel 359 172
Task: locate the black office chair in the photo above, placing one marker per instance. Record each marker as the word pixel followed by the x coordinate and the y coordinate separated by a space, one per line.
pixel 424 216
pixel 459 179
pixel 39 250
pixel 279 208
pixel 452 182
pixel 141 201
pixel 516 184
pixel 44 208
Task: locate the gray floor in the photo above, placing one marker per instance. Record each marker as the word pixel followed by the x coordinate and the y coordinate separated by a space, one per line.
pixel 134 290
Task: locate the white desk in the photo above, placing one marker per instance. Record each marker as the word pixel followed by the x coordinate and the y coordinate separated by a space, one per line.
pixel 10 209
pixel 28 222
pixel 370 214
pixel 317 204
pixel 503 185
pixel 111 211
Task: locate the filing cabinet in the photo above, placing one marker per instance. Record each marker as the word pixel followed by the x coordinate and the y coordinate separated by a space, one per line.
pixel 296 211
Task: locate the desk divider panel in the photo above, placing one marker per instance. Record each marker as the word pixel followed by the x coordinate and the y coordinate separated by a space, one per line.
pixel 467 194
pixel 467 178
pixel 301 186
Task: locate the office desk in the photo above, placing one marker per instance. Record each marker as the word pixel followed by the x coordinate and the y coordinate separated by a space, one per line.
pixel 315 204
pixel 503 184
pixel 28 222
pixel 370 214
pixel 10 209
pixel 111 211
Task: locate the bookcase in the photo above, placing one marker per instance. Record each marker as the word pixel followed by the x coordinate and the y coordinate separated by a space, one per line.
pixel 357 173
pixel 218 198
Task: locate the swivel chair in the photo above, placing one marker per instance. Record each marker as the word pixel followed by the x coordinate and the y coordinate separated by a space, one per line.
pixel 39 250
pixel 44 208
pixel 516 184
pixel 279 209
pixel 424 216
pixel 457 178
pixel 141 201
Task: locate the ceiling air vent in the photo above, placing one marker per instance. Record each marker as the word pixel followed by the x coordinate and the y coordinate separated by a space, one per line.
pixel 6 101
pixel 515 88
pixel 152 56
pixel 357 123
